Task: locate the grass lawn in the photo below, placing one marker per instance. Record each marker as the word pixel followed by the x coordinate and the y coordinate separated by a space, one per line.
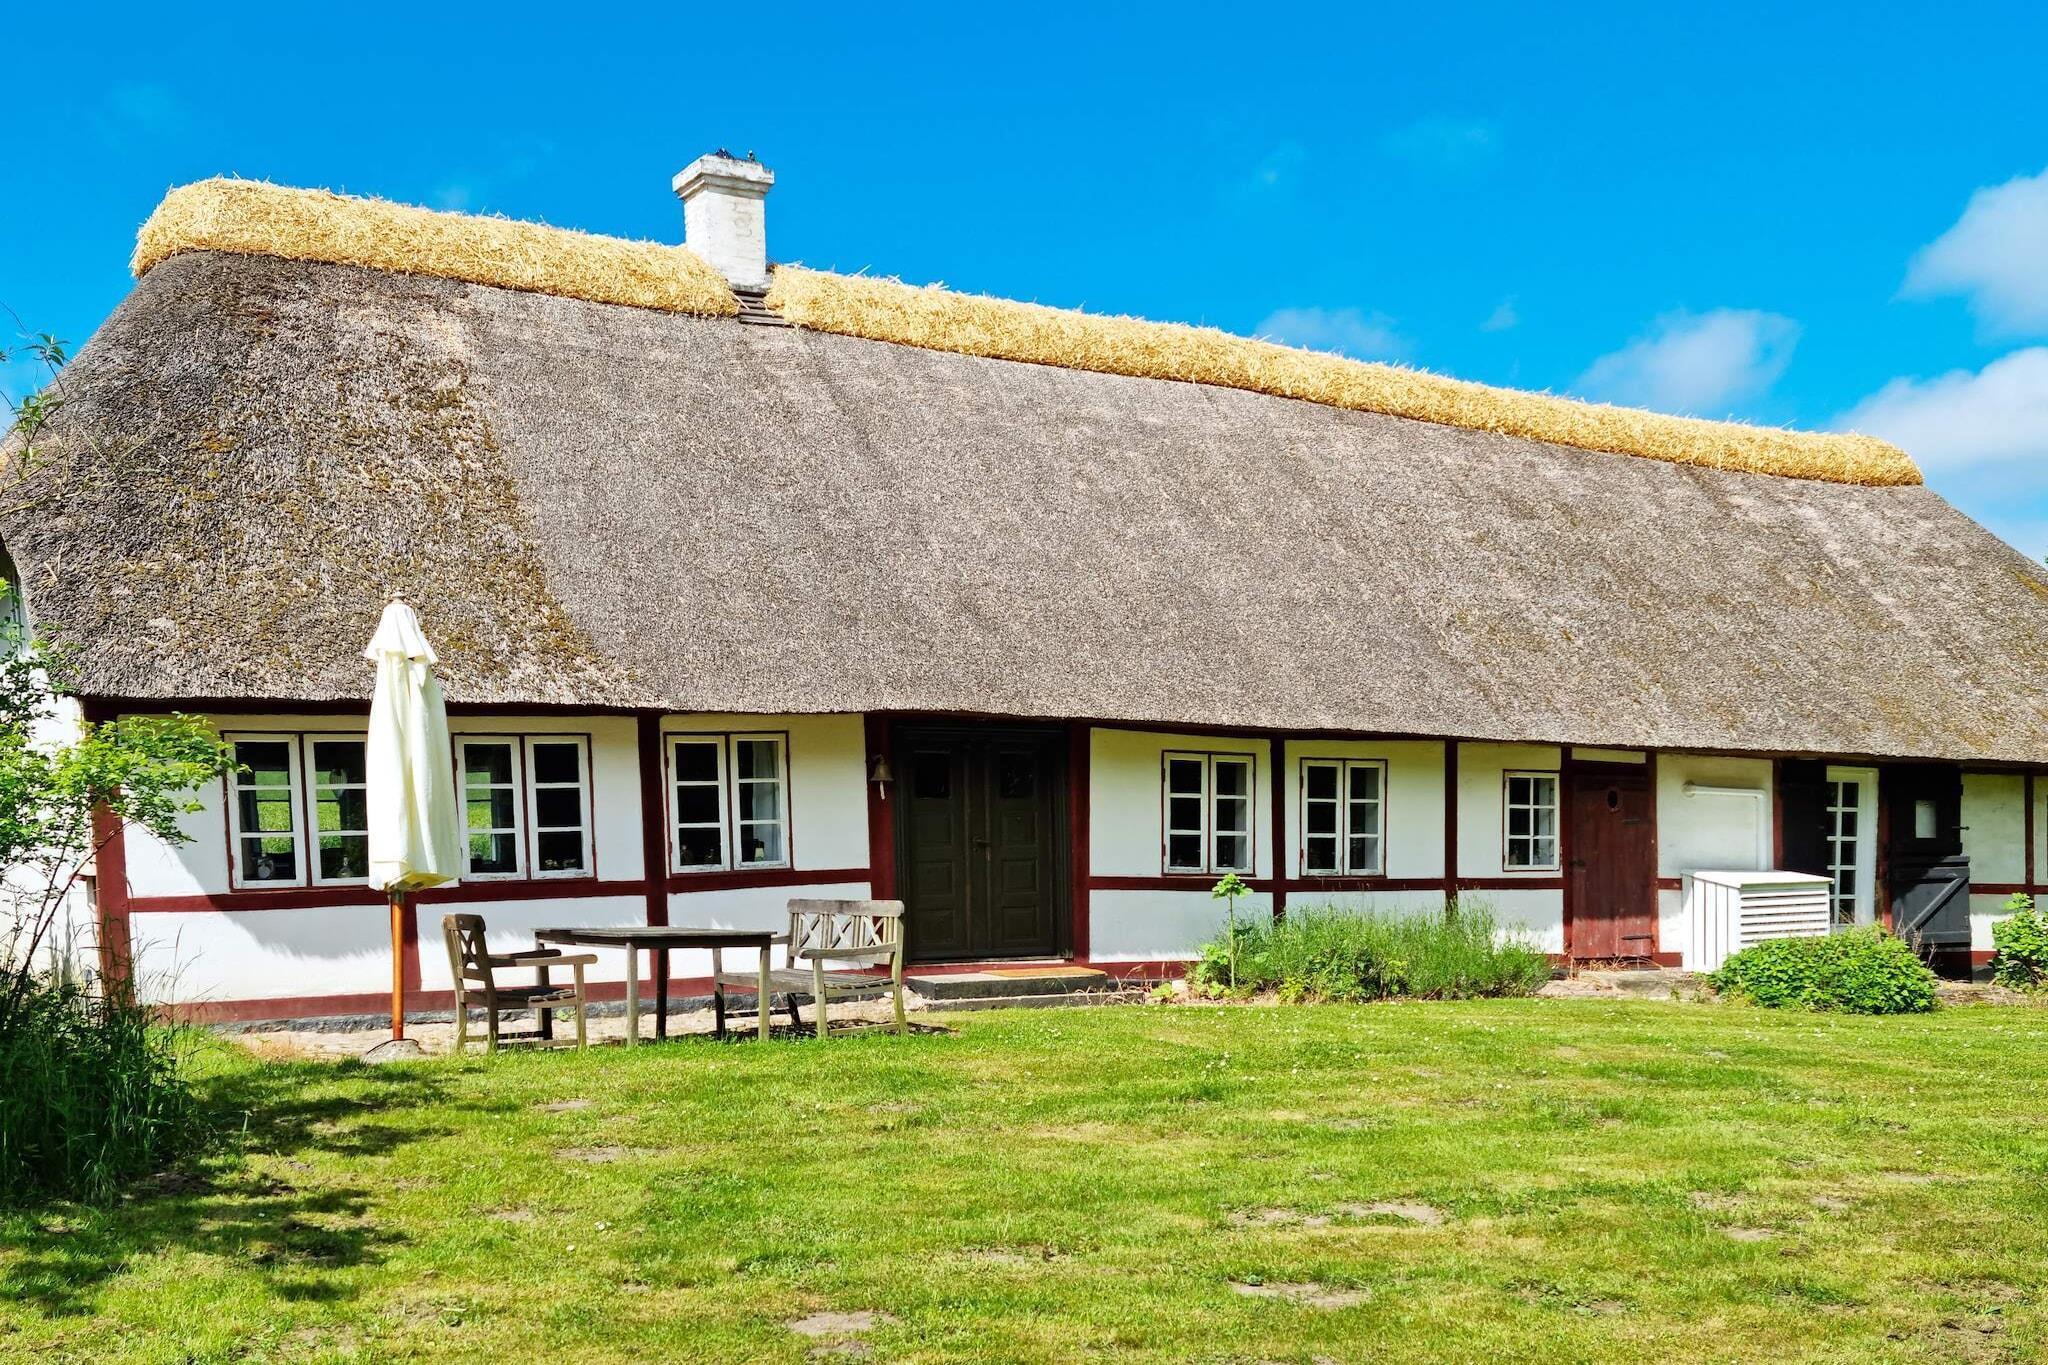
pixel 1614 1181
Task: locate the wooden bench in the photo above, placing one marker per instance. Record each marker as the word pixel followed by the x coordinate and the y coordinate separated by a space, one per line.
pixel 474 967
pixel 822 931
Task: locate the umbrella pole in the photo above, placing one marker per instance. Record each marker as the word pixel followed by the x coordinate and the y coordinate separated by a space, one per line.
pixel 397 964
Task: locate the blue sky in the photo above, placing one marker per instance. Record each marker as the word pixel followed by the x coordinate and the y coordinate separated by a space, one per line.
pixel 1833 216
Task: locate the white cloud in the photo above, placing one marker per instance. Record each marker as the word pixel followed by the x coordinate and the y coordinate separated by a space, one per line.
pixel 1693 363
pixel 1996 254
pixel 1446 143
pixel 1347 331
pixel 1502 317
pixel 1963 420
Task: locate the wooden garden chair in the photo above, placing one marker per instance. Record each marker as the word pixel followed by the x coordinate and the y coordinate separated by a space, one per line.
pixel 474 967
pixel 820 931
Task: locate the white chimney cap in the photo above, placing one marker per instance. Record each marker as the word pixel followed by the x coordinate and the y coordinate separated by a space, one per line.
pixel 724 216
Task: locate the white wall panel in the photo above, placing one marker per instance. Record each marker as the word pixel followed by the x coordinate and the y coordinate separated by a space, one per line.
pixel 1995 826
pixel 1141 926
pixel 1712 831
pixel 1125 811
pixel 1414 816
pixel 1481 780
pixel 261 954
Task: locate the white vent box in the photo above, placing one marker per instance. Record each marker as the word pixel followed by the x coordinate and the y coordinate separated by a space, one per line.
pixel 1725 912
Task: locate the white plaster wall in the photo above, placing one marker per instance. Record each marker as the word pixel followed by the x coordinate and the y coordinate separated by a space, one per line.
pixel 1143 926
pixel 756 907
pixel 1414 814
pixel 1540 913
pixel 1985 911
pixel 1481 779
pixel 828 795
pixel 1995 826
pixel 1389 902
pixel 1711 832
pixel 262 954
pixel 1126 835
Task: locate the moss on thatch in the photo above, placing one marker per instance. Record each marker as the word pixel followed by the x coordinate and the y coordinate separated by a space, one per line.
pixel 941 320
pixel 259 219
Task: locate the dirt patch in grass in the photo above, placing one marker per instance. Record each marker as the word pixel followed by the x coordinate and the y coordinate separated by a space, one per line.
pixel 839 1324
pixel 564 1106
pixel 1405 1210
pixel 597 1156
pixel 1748 1234
pixel 1307 1293
pixel 1714 1202
pixel 514 1215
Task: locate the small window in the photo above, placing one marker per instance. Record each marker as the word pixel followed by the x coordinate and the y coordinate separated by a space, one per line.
pixel 558 806
pixel 1208 799
pixel 341 809
pixel 699 767
pixel 490 801
pixel 1530 822
pixel 758 788
pixel 1926 820
pixel 1845 807
pixel 264 812
pixel 1343 817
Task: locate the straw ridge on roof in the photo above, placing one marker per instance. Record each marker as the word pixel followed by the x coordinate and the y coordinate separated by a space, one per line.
pixel 941 320
pixel 252 217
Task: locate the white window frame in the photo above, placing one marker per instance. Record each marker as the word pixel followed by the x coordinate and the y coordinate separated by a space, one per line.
pixel 1863 904
pixel 314 786
pixel 1344 768
pixel 1507 804
pixel 518 787
pixel 583 786
pixel 1209 832
pixel 716 743
pixel 295 793
pixel 735 842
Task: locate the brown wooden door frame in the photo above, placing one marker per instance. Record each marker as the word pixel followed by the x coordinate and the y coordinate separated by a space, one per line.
pixel 1623 885
pixel 980 744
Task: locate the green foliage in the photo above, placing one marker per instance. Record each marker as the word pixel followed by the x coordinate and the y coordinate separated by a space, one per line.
pixel 94 1096
pixel 1331 954
pixel 1856 971
pixel 1228 890
pixel 2022 943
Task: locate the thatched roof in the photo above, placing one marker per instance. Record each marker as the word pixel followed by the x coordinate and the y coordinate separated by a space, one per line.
pixel 610 506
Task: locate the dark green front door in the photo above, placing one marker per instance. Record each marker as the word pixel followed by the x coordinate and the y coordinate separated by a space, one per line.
pixel 981 841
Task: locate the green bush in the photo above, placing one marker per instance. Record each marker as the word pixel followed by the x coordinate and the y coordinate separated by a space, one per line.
pixel 1857 971
pixel 2022 943
pixel 1329 954
pixel 90 1096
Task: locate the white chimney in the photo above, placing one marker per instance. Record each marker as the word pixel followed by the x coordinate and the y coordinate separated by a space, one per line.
pixel 724 215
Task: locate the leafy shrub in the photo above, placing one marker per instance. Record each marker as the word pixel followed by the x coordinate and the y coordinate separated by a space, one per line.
pixel 1858 971
pixel 1332 954
pixel 90 1096
pixel 2022 943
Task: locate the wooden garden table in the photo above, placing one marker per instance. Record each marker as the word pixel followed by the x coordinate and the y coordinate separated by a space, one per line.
pixel 661 939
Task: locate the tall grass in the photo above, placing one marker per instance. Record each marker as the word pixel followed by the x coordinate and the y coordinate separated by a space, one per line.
pixel 1453 953
pixel 90 1096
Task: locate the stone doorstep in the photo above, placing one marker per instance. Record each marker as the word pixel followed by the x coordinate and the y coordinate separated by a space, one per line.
pixel 1007 983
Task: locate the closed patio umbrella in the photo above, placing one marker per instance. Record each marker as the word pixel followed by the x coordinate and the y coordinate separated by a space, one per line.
pixel 415 837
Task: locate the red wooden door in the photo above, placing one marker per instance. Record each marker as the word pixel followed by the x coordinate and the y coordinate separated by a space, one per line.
pixel 1611 880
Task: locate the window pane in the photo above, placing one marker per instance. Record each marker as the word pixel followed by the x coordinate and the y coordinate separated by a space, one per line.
pixel 558 808
pixel 342 810
pixel 1184 775
pixel 492 853
pixel 1184 851
pixel 559 851
pixel 1518 822
pixel 1322 817
pixel 1230 816
pixel 267 860
pixel 696 762
pixel 1233 778
pixel 1546 821
pixel 1184 812
pixel 1233 851
pixel 268 762
pixel 757 757
pixel 696 805
pixel 557 763
pixel 1365 854
pixel 1320 855
pixel 760 843
pixel 760 801
pixel 487 764
pixel 344 855
pixel 1518 791
pixel 1545 853
pixel 266 810
pixel 1365 783
pixel 337 761
pixel 490 810
pixel 699 848
pixel 1322 781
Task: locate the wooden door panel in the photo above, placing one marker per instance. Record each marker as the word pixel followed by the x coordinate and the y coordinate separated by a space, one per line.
pixel 938 895
pixel 1611 882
